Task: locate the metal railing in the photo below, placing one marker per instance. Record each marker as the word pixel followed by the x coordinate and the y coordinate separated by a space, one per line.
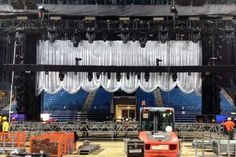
pixel 109 128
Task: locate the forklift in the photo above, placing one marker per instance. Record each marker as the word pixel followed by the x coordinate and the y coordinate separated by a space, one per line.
pixel 156 136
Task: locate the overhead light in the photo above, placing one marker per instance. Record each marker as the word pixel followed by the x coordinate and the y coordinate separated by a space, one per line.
pixel 173 9
pixel 90 34
pixel 55 18
pixel 89 18
pixel 194 18
pixel 196 35
pixel 227 18
pixel 146 76
pixel 158 18
pixel 189 73
pixel 124 18
pixel 22 18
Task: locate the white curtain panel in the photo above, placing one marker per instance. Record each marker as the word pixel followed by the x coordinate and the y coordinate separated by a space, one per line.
pixel 173 53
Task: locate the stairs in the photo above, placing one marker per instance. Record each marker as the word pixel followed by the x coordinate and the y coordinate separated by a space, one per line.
pixel 88 102
pixel 158 98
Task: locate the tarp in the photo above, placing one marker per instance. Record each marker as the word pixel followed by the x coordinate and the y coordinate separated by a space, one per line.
pixel 128 10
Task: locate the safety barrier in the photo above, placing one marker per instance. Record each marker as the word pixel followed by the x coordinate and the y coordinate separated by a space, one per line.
pixel 53 143
pixel 12 140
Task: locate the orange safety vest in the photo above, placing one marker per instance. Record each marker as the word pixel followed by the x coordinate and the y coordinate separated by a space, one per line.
pixel 229 125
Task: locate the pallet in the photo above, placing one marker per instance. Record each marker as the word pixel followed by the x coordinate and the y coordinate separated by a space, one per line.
pixel 87 149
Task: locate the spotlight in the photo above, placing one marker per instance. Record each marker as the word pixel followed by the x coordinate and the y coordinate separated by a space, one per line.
pixel 143 41
pixel 109 76
pixel 125 35
pixel 90 34
pixel 173 9
pixel 77 62
pixel 146 76
pixel 174 77
pixel 189 73
pixel 75 39
pixel 163 36
pixel 52 37
pixel 118 77
pixel 61 76
pixel 90 76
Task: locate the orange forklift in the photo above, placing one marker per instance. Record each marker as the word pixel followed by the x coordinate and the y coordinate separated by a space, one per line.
pixel 156 132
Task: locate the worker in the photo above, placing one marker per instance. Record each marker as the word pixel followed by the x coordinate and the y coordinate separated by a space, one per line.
pixel 5 125
pixel 229 125
pixel 1 123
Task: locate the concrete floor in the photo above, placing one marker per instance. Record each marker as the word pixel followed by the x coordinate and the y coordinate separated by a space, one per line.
pixel 116 149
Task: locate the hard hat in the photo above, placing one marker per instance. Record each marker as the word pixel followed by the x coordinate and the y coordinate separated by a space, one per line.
pixel 4 118
pixel 229 118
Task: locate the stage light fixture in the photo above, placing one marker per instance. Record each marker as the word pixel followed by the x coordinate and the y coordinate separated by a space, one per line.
pixel 146 76
pixel 90 34
pixel 61 76
pixel 189 73
pixel 125 35
pixel 118 77
pixel 173 9
pixel 174 77
pixel 51 37
pixel 163 36
pixel 109 76
pixel 195 35
pixel 75 39
pixel 90 76
pixel 143 40
pixel 44 36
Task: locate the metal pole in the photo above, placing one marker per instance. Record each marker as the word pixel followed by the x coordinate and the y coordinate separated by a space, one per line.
pixel 203 149
pixel 12 83
pixel 228 151
pixel 195 146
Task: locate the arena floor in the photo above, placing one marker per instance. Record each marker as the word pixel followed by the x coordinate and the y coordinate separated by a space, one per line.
pixel 116 149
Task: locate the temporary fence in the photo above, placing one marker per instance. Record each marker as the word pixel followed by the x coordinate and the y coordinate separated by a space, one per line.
pixel 54 143
pixel 12 140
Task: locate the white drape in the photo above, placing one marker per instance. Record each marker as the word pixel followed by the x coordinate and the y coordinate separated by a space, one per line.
pixel 116 53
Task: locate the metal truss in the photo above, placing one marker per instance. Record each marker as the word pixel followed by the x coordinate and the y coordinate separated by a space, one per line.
pixel 109 128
